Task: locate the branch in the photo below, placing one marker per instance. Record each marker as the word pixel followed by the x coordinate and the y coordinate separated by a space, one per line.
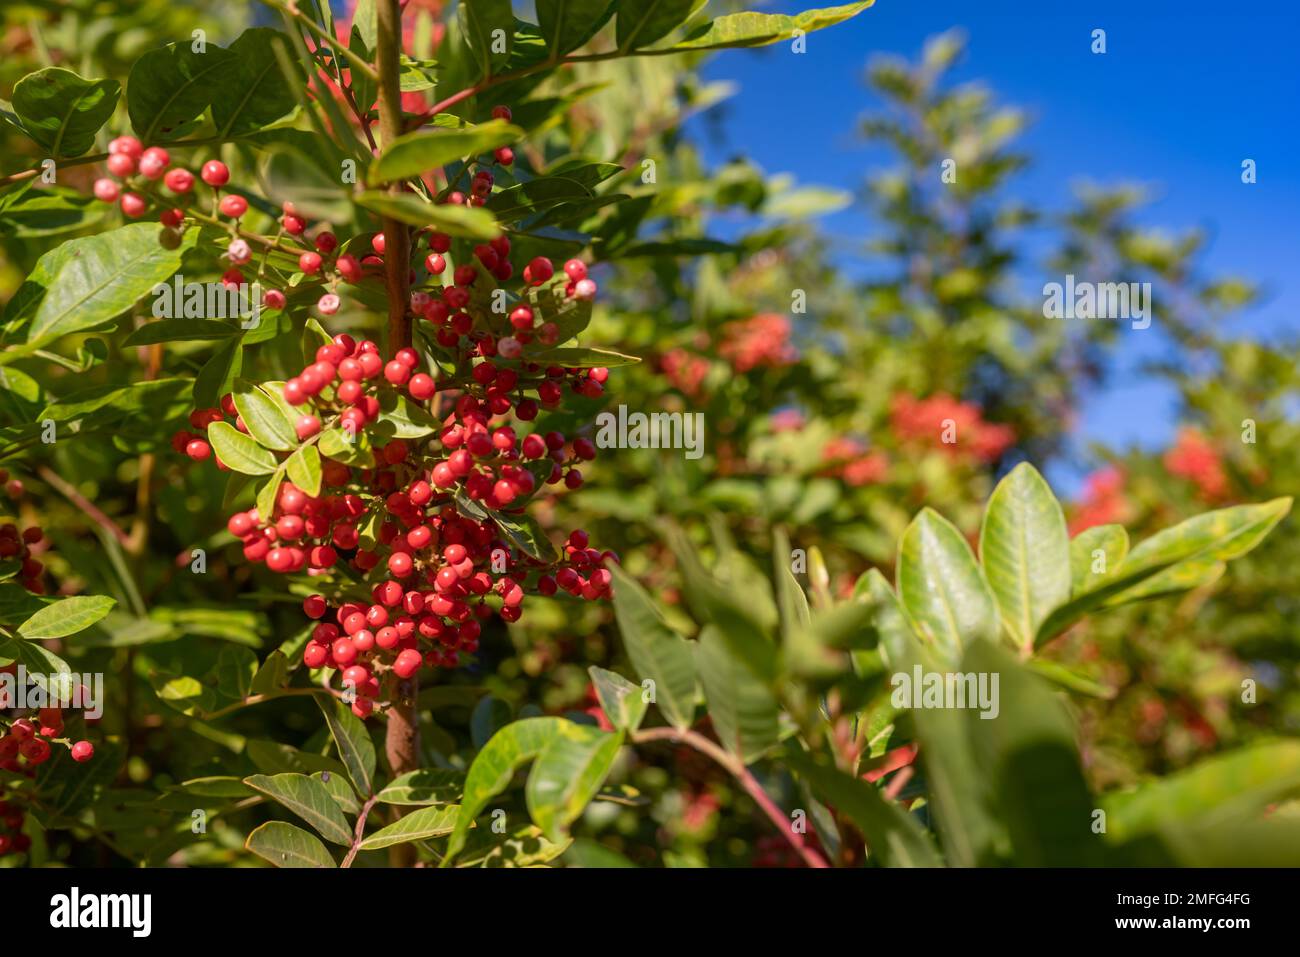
pixel 355 62
pixel 742 774
pixel 359 832
pixel 76 498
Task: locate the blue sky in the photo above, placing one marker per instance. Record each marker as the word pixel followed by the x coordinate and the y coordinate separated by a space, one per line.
pixel 1184 92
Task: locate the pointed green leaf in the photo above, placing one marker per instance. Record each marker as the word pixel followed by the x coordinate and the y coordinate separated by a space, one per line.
pixel 304 470
pixel 642 22
pixel 309 799
pixel 760 29
pixel 622 701
pixel 941 586
pixel 263 417
pixel 895 838
pixel 495 765
pixel 171 86
pixel 415 154
pixel 425 786
pixel 1096 553
pixel 66 617
pixel 239 451
pixel 356 750
pixel 743 710
pixel 63 111
pixel 657 652
pixel 252 93
pixel 1025 550
pixel 417 826
pixel 568 24
pixel 567 774
pixel 464 221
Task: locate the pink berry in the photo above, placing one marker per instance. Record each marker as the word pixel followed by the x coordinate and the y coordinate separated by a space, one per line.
pixel 126 145
pixel 121 165
pixel 133 205
pixel 106 190
pixel 328 304
pixel 153 162
pixel 233 206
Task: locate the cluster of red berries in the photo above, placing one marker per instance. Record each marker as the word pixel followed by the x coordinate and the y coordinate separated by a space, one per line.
pixel 1193 457
pixel 132 167
pixel 922 421
pixel 430 611
pixel 24 747
pixel 18 545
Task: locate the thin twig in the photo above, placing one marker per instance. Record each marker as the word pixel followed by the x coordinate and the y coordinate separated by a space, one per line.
pixel 742 774
pixel 360 830
pixel 86 505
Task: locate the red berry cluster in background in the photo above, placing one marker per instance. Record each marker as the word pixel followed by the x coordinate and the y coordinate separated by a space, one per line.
pixel 430 524
pixel 922 421
pixel 22 546
pixel 1193 457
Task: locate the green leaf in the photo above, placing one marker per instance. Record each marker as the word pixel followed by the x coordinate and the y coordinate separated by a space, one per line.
pixel 309 799
pixel 1025 550
pixel 479 20
pixel 287 846
pixel 400 418
pixel 1193 573
pixel 272 676
pixel 356 750
pixel 895 838
pixel 181 330
pixel 1217 536
pixel 292 177
pixel 1087 568
pixel 417 826
pixel 37 659
pixel 465 221
pixel 63 111
pixel 171 86
pixel 743 710
pixel 217 376
pixel 942 587
pixel 620 699
pixel 1239 784
pixel 1029 758
pixel 425 786
pixel 238 451
pixel 657 652
pixel 66 617
pixel 567 774
pixel 760 29
pixel 582 358
pixel 340 445
pixel 741 606
pixel 304 470
pixel 495 765
pixel 418 153
pixel 263 417
pixel 87 281
pixel 568 24
pixel 642 22
pixel 269 493
pixel 252 93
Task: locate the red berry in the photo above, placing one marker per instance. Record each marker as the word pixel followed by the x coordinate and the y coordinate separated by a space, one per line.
pixel 309 263
pixel 215 173
pixel 422 386
pixel 408 663
pixel 83 751
pixel 133 205
pixel 307 426
pixel 179 180
pixel 233 206
pixel 127 145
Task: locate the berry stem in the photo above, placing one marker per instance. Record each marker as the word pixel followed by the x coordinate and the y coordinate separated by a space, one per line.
pixel 402 737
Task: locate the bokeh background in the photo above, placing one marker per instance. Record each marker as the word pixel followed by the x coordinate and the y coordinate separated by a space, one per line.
pixel 819 173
